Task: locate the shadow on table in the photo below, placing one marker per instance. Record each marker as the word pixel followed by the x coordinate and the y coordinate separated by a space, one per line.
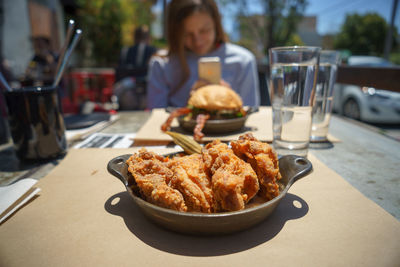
pixel 291 207
pixel 12 169
pixel 321 145
pixel 9 162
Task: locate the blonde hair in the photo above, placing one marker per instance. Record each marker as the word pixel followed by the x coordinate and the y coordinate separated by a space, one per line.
pixel 178 11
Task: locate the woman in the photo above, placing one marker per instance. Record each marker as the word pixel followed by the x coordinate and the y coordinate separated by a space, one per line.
pixel 194 31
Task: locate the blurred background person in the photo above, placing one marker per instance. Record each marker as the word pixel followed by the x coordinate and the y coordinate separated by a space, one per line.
pixel 194 30
pixel 131 73
pixel 41 68
pixel 6 71
pixel 10 79
pixel 138 55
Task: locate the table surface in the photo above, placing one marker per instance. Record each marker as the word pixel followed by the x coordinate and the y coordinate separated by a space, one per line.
pixel 368 160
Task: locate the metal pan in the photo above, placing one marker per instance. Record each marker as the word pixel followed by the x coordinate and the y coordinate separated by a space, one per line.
pixel 291 167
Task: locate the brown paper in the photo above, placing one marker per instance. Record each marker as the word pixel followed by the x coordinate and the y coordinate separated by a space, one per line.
pixel 84 217
pixel 259 123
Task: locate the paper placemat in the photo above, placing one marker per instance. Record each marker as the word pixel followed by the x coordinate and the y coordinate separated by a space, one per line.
pixel 85 217
pixel 259 123
pixel 15 195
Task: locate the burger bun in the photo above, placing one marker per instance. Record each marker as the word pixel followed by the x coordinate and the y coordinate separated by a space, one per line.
pixel 215 97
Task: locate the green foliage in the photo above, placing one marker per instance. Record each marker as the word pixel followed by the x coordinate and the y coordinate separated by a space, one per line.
pixel 274 25
pixel 160 43
pixel 395 58
pixel 108 25
pixel 364 34
pixel 101 22
pixel 135 13
pixel 287 14
pixel 294 40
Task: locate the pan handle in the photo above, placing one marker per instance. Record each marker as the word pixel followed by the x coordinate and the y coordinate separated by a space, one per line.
pixel 294 167
pixel 117 167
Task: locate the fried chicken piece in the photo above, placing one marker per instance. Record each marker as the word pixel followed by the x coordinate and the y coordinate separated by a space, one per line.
pixel 218 179
pixel 152 176
pixel 233 181
pixel 263 160
pixel 190 178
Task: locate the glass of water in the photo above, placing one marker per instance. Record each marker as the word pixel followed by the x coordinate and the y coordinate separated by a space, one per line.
pixel 323 103
pixel 293 76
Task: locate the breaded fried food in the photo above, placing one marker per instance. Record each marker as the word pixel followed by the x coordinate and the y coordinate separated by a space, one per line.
pixel 190 178
pixel 153 178
pixel 218 179
pixel 263 160
pixel 233 181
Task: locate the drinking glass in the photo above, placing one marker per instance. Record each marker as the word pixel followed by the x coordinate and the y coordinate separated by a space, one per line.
pixel 293 76
pixel 323 103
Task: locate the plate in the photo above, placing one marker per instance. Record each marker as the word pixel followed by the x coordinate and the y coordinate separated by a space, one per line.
pixel 217 126
pixel 292 168
pixel 80 121
pixel 214 126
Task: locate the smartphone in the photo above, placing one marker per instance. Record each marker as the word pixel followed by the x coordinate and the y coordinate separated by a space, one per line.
pixel 210 69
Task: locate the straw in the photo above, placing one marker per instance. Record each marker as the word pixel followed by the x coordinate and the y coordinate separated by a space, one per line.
pixel 75 41
pixel 71 25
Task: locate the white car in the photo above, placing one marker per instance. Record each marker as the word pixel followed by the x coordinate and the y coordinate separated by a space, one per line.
pixel 366 103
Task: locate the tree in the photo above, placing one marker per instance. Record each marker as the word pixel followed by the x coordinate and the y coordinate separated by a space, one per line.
pixel 108 25
pixel 364 34
pixel 101 24
pixel 135 13
pixel 275 25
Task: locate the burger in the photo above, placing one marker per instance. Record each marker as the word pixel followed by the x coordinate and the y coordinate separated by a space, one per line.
pixel 207 103
pixel 220 102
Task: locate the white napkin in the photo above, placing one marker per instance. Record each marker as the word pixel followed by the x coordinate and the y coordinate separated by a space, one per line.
pixel 15 195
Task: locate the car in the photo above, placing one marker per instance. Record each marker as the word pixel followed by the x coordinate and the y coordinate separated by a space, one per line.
pixel 367 104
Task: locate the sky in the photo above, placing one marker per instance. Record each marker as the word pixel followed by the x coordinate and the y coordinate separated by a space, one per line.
pixel 330 14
